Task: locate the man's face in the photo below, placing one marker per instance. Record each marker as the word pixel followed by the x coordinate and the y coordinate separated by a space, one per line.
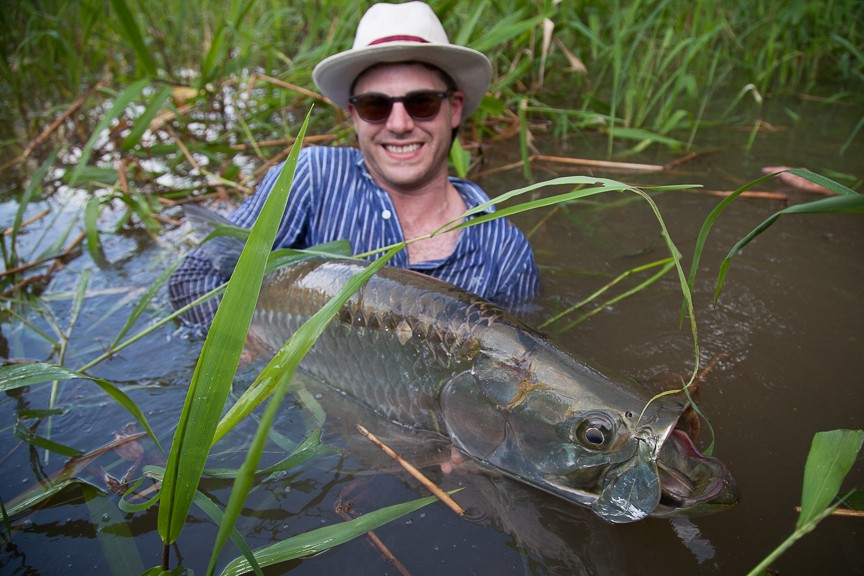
pixel 404 154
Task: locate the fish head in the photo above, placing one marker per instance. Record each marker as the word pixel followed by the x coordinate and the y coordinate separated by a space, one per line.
pixel 561 426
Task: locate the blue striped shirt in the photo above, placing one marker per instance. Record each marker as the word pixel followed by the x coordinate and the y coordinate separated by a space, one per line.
pixel 333 197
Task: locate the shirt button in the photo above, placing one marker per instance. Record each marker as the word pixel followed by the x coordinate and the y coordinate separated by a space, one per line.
pixel 385 214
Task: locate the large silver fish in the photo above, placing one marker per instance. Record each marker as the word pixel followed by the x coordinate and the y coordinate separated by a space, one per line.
pixel 430 356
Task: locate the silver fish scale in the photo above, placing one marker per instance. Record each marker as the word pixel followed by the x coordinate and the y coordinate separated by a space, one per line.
pixel 391 347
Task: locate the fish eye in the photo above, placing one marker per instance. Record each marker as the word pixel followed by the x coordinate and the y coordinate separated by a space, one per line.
pixel 594 431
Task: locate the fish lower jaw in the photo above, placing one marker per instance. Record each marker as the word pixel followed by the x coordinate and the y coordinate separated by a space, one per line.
pixel 581 497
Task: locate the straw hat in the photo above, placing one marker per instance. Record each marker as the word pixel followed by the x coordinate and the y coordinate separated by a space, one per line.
pixel 401 33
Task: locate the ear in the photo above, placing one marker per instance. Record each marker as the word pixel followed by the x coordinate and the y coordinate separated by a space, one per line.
pixel 457 104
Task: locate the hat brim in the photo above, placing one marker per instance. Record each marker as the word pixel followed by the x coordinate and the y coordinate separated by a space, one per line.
pixel 469 69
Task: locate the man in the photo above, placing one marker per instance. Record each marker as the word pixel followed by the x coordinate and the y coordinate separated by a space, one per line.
pixel 407 89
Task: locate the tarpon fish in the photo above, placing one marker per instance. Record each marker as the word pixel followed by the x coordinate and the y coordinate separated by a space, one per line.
pixel 433 357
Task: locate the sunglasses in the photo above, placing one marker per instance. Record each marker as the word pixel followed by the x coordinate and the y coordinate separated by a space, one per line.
pixel 420 105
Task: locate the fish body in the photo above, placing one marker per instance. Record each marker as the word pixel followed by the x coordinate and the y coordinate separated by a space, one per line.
pixel 433 357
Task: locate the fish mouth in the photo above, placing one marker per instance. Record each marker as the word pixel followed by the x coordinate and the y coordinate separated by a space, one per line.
pixel 691 484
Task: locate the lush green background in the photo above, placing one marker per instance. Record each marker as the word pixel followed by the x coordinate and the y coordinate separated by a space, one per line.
pixel 642 72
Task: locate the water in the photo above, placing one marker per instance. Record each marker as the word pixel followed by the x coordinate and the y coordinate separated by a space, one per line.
pixel 784 345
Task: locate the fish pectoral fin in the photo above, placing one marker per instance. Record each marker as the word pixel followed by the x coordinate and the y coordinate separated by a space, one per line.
pixel 631 490
pixel 476 425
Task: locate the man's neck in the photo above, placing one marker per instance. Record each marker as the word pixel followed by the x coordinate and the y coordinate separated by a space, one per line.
pixel 422 212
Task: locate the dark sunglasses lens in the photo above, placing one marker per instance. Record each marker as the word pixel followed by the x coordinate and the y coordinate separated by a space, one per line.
pixel 373 108
pixel 422 105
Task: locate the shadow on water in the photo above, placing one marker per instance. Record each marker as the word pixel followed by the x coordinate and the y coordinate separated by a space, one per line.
pixel 785 346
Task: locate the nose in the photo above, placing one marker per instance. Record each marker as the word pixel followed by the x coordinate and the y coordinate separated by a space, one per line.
pixel 399 120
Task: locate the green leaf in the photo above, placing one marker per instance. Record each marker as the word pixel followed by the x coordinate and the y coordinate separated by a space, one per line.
pixel 823 181
pixel 145 300
pixel 97 174
pixel 209 507
pixel 460 159
pixel 129 507
pixel 317 541
pixel 310 448
pixel 142 124
pixel 91 220
pixel 130 94
pixel 284 365
pixel 37 495
pixel 831 456
pixel 26 435
pixel 117 543
pixel 20 375
pixel 220 355
pixel 833 204
pixel 855 500
pixel 134 36
pixel 29 193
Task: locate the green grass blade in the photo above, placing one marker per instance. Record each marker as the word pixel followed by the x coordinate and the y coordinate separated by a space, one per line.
pixel 504 31
pixel 325 538
pixel 460 159
pixel 833 204
pixel 212 510
pixel 310 448
pixel 283 367
pixel 823 181
pixel 139 205
pixel 26 322
pixel 115 539
pixel 144 301
pixel 706 229
pixel 468 25
pixel 831 456
pixel 220 355
pixel 26 435
pixel 91 220
pixel 142 124
pixel 667 265
pixel 123 100
pixel 20 375
pixel 133 35
pixel 37 495
pixel 131 508
pixel 29 192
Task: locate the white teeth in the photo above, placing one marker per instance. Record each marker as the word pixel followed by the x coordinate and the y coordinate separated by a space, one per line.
pixel 407 149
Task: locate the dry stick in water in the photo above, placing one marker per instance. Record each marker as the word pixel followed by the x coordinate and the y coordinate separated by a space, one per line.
pixel 443 496
pixel 284 142
pixel 43 136
pixel 841 512
pixel 378 545
pixel 9 231
pixel 289 86
pixel 57 261
pixel 606 165
pixel 220 191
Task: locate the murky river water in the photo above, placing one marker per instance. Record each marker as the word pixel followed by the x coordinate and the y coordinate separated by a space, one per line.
pixel 785 344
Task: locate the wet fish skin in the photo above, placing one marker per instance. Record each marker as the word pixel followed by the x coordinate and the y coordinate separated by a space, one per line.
pixel 434 357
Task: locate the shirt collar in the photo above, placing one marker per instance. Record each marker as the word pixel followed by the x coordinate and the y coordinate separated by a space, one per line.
pixel 471 193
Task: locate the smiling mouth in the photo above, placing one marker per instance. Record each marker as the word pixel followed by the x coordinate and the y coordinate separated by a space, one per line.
pixel 403 149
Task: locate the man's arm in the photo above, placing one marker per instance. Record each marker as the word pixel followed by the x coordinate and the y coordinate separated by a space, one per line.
pixel 197 274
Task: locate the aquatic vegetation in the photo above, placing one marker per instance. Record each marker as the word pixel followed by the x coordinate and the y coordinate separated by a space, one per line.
pixel 831 456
